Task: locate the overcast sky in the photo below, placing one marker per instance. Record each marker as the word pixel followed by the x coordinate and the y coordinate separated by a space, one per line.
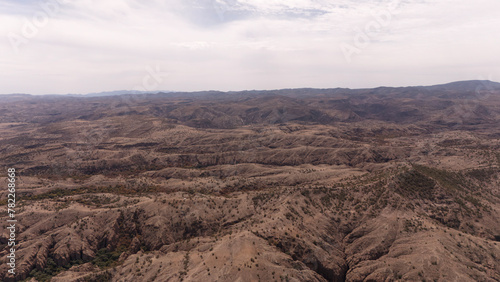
pixel 82 46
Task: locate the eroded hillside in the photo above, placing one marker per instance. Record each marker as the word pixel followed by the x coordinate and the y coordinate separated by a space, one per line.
pixel 386 184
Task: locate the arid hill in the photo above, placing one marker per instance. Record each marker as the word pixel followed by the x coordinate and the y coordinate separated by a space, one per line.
pixel 384 184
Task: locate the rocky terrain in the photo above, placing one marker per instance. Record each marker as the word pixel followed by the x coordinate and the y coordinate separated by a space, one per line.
pixel 385 184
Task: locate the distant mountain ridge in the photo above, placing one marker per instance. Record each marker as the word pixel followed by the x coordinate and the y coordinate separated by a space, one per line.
pixel 117 92
pixel 439 105
pixel 466 85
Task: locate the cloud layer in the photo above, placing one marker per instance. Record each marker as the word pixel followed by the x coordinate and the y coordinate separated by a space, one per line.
pixel 80 46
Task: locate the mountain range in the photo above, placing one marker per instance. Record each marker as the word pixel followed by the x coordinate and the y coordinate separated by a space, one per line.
pixel 380 184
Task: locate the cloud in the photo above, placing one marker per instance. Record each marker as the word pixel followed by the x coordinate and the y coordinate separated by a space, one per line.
pixel 92 46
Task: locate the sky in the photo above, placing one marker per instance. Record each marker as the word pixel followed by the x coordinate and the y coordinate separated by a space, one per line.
pixel 84 46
